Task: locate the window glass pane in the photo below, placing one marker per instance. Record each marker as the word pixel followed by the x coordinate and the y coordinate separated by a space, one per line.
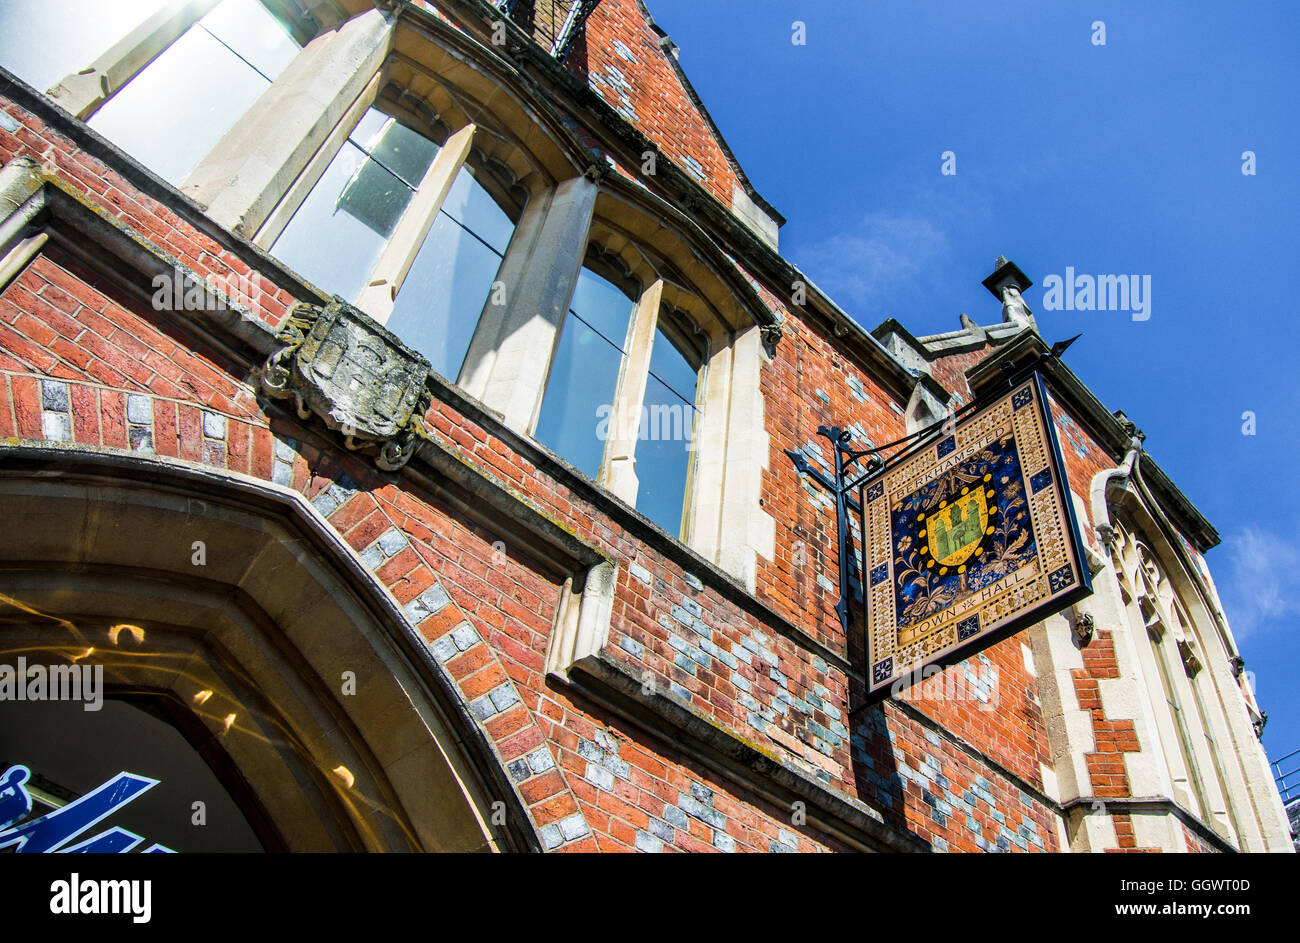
pixel 368 129
pixel 665 434
pixel 472 206
pixel 335 237
pixel 374 197
pixel 603 306
pixel 580 389
pixel 43 41
pixel 323 242
pixel 174 112
pixel 253 34
pixel 440 302
pixel 672 368
pixel 74 751
pixel 443 295
pixel 402 151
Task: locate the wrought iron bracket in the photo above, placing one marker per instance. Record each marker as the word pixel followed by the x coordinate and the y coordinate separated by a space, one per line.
pixel 854 468
pixel 846 461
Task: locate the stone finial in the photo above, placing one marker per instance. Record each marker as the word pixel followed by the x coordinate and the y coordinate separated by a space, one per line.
pixel 1006 283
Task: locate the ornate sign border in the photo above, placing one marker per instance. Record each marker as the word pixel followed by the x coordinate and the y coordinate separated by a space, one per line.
pixel 1025 563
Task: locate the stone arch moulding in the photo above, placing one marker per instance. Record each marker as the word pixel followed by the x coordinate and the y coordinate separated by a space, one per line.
pixel 1122 490
pixel 267 624
pixel 1123 503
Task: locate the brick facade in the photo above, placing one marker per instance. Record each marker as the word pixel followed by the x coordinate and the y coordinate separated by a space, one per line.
pixel 87 363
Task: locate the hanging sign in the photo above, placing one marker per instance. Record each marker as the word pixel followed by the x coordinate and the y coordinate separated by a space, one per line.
pixel 967 540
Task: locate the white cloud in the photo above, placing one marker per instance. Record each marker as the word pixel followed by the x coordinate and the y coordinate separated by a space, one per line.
pixel 884 251
pixel 1261 583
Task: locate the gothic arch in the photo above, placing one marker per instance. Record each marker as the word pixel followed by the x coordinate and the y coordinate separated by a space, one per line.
pixel 1163 588
pixel 253 641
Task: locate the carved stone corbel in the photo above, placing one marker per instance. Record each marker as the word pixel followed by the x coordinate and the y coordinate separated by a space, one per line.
pixel 771 334
pixel 339 365
pixel 1083 627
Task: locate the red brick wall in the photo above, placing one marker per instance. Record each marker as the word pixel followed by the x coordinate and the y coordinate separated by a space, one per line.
pixel 1195 844
pixel 951 370
pixel 648 92
pixel 60 321
pixel 807 386
pixel 508 604
pixel 1113 738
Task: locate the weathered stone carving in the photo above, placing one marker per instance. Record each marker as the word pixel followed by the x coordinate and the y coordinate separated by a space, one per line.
pixel 1083 627
pixel 770 335
pixel 339 365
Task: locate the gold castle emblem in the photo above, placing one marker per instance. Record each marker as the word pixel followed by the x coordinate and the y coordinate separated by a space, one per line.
pixel 954 532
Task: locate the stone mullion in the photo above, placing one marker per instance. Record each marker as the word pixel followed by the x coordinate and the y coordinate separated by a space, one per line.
pixel 746 531
pixel 709 448
pixel 394 263
pixel 1180 772
pixel 514 344
pixel 301 188
pixel 1202 766
pixel 257 161
pixel 618 468
pixel 1211 720
pixel 1221 686
pixel 84 92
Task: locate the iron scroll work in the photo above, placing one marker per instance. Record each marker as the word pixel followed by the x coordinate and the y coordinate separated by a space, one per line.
pixel 966 538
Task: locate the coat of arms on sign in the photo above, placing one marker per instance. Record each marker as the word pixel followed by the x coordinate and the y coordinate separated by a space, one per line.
pixel 968 538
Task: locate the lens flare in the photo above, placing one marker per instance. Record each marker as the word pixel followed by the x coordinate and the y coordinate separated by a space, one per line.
pixel 134 631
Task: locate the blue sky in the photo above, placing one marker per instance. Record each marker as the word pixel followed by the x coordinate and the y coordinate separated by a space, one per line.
pixel 1117 159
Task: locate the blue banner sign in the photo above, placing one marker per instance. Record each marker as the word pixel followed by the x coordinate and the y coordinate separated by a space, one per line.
pixel 53 831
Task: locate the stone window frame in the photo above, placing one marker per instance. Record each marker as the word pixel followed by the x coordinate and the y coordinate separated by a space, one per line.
pixel 663 300
pixel 258 175
pixel 84 92
pixel 722 517
pixel 1157 612
pixel 463 139
pixel 1209 709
